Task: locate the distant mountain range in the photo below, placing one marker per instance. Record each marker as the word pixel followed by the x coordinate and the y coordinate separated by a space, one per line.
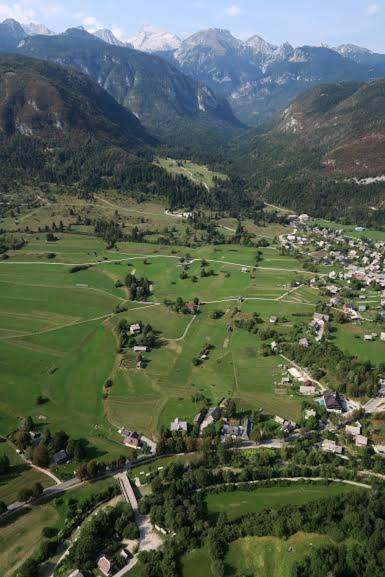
pixel 258 79
pixel 169 104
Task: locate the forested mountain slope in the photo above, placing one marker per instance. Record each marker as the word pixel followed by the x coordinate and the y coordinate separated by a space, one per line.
pixel 318 154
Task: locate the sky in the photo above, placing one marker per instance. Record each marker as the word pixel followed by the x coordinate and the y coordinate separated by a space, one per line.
pixel 299 22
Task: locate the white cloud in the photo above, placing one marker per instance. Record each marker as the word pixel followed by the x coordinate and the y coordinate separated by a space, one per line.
pixel 18 11
pixel 233 10
pixel 90 23
pixel 374 9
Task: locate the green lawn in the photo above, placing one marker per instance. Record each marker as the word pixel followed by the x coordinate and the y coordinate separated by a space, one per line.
pixel 270 556
pixel 256 556
pixel 236 504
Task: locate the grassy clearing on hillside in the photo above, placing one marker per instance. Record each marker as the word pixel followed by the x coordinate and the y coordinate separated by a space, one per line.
pixel 236 504
pixel 195 172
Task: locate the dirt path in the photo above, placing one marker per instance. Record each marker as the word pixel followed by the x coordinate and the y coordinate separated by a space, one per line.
pixel 184 333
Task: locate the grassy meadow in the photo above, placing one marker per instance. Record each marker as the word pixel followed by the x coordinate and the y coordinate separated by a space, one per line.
pixel 236 504
pixel 58 338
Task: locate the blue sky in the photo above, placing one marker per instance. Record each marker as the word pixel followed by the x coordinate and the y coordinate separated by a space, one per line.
pixel 296 21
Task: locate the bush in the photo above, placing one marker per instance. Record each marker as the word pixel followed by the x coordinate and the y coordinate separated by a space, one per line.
pixel 49 532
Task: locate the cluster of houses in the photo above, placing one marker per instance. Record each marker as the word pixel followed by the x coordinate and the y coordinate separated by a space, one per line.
pixel 58 458
pixel 229 430
pixel 358 259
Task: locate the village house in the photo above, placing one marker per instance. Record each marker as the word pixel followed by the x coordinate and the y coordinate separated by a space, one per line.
pixel 353 430
pixel 35 437
pixel 237 431
pixel 321 317
pixel 331 447
pixel 333 402
pixel 140 349
pixel 131 439
pixel 309 413
pixel 126 555
pixel 59 458
pixel 361 441
pixel 198 419
pixel 212 416
pixel 76 573
pixel 274 346
pixel 308 390
pixel 178 426
pixel 135 329
pixel 192 308
pixel 105 565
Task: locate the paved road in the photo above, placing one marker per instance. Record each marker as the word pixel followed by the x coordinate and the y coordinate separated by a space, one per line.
pixel 149 540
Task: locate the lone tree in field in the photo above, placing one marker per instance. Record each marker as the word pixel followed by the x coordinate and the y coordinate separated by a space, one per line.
pixel 4 465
